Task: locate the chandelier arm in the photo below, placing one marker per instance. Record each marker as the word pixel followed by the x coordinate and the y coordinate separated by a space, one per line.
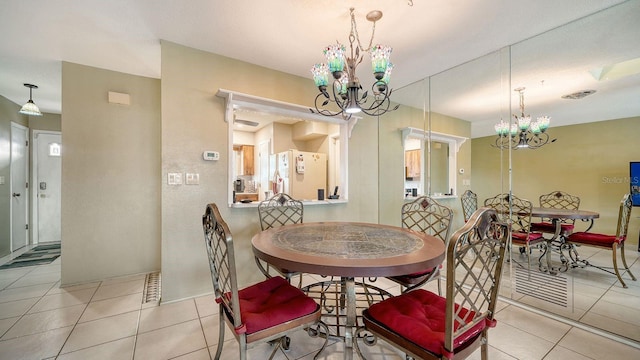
pixel 320 109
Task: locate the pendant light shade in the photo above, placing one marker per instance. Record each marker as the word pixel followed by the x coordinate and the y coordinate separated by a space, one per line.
pixel 30 107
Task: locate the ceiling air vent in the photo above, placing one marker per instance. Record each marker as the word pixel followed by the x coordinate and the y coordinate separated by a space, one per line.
pixel 578 95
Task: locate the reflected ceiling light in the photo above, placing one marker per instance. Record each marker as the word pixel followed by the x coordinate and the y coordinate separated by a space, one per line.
pixel 345 90
pixel 524 133
pixel 578 95
pixel 30 107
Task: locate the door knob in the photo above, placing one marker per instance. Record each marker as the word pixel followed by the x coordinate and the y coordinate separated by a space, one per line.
pixel 16 194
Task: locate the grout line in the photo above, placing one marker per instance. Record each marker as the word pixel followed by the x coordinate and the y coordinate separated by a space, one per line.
pixel 573 323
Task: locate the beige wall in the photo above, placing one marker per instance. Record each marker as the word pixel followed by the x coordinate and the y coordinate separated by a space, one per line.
pixel 587 160
pixel 193 121
pixel 110 175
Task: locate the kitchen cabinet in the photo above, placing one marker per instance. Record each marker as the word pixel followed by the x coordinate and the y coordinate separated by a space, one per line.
pixel 412 164
pixel 246 152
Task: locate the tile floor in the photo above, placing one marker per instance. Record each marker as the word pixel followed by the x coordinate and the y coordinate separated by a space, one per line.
pixel 107 320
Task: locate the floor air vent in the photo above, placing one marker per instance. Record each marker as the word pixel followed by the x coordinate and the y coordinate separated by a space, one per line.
pixel 554 289
pixel 151 288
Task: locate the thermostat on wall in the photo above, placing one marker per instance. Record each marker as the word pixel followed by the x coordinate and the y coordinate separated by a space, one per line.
pixel 211 155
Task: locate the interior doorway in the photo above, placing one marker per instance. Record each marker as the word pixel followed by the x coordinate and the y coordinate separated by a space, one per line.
pixel 46 180
pixel 18 187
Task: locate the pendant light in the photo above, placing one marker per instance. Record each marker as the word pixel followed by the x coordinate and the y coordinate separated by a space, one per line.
pixel 30 107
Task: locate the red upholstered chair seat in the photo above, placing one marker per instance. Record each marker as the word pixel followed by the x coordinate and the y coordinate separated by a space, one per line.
pixel 416 277
pixel 588 238
pixel 272 302
pixel 419 316
pixel 548 227
pixel 523 237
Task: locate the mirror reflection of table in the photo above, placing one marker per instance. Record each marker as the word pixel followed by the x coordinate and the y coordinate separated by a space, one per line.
pixel 556 216
pixel 348 250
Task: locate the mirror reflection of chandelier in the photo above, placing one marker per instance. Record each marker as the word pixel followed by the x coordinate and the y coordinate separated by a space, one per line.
pixel 524 133
pixel 345 90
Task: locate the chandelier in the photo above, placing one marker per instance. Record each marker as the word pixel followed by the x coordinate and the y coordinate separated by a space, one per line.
pixel 524 133
pixel 346 87
pixel 30 108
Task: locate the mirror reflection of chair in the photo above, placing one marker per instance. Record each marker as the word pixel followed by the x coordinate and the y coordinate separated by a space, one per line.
pixel 557 200
pixel 469 201
pixel 427 326
pixel 610 242
pixel 517 212
pixel 430 217
pixel 281 209
pixel 266 311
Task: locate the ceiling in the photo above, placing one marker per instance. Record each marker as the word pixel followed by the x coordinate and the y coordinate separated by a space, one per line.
pixel 428 37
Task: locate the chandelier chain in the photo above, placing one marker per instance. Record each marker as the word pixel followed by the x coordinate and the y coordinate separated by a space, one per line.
pixel 354 32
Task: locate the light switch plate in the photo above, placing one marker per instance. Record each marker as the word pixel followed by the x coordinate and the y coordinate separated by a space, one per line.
pixel 174 178
pixel 192 179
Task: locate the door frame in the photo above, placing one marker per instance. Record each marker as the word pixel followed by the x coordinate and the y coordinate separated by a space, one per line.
pixel 34 180
pixel 11 188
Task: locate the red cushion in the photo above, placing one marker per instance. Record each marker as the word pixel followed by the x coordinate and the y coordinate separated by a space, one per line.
pixel 272 302
pixel 550 228
pixel 519 236
pixel 419 316
pixel 588 238
pixel 411 278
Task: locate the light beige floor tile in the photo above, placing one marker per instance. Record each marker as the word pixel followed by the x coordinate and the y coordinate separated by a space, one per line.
pixel 14 274
pixel 170 341
pixel 16 308
pixel 560 353
pixel 6 283
pixel 211 328
pixel 534 324
pixel 494 354
pixel 115 350
pixel 36 279
pixel 123 279
pixel 597 347
pixel 119 289
pixel 37 346
pixel 44 321
pixel 166 315
pixel 613 325
pixel 207 305
pixel 518 343
pixel 61 300
pixel 202 354
pixel 71 288
pixel 27 292
pixel 104 308
pixel 102 331
pixel 7 323
pixel 620 298
pixel 618 312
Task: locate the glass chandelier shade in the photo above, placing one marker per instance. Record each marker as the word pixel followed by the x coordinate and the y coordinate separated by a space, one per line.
pixel 380 59
pixel 320 74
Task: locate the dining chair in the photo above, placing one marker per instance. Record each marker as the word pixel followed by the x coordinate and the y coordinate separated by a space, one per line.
pixel 517 213
pixel 469 201
pixel 557 200
pixel 281 209
pixel 425 215
pixel 266 311
pixel 610 242
pixel 425 325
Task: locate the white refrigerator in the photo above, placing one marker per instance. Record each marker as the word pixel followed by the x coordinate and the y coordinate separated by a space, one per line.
pixel 300 174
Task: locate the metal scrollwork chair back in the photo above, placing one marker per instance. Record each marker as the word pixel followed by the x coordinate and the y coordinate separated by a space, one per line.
pixel 281 209
pixel 517 213
pixel 474 268
pixel 557 200
pixel 425 215
pixel 469 201
pixel 266 311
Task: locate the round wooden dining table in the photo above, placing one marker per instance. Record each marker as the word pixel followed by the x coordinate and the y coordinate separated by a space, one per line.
pixel 348 250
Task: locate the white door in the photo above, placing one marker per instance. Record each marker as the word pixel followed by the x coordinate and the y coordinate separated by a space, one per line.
pixel 47 165
pixel 19 195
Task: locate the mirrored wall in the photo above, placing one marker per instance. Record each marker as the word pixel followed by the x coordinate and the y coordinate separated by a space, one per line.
pixel 558 68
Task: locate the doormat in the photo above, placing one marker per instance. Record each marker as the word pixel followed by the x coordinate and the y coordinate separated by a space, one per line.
pixel 39 255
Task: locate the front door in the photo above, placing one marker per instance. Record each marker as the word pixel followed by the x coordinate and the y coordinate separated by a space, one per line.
pixel 47 166
pixel 19 195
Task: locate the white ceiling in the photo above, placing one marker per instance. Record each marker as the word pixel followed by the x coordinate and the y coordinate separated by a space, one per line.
pixel 287 35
